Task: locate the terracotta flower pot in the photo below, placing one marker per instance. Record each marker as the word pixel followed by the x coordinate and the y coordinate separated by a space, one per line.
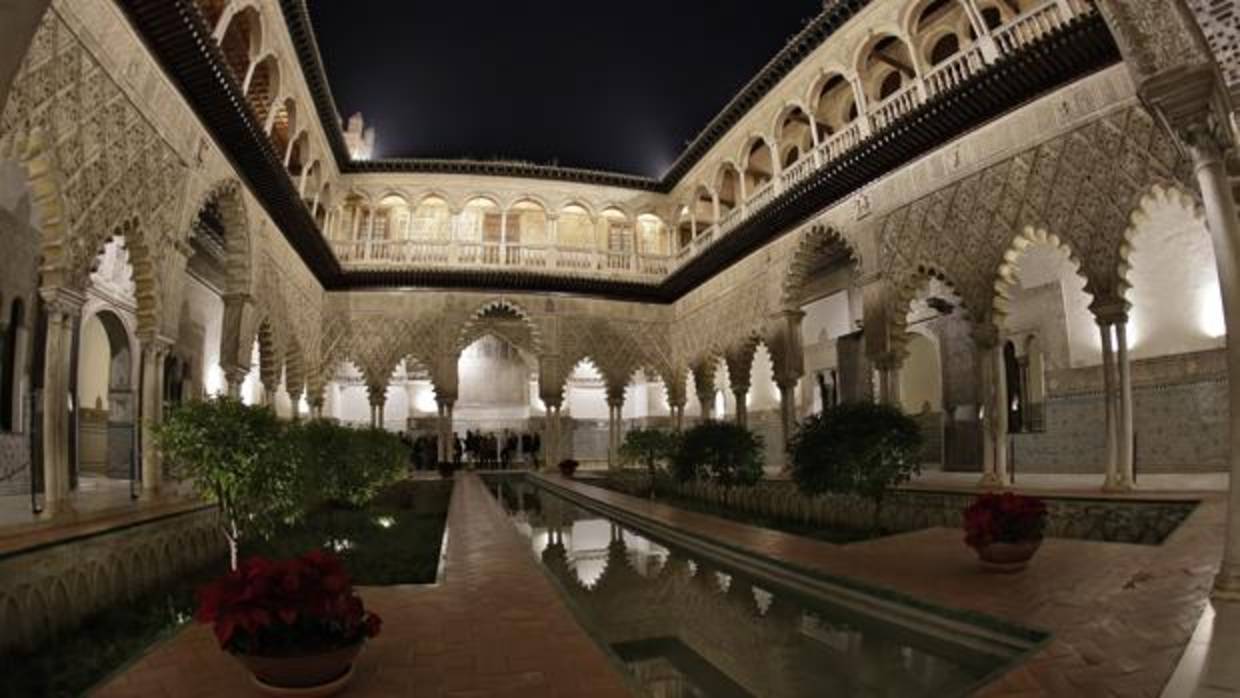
pixel 322 674
pixel 1007 557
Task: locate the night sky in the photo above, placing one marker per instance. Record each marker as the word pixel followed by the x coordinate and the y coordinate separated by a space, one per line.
pixel 555 81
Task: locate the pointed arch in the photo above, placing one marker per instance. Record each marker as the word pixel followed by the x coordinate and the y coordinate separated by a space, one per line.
pixel 223 207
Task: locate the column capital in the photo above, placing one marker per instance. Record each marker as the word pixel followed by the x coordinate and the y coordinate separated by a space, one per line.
pixel 1191 102
pixel 1110 311
pixel 986 336
pixel 63 301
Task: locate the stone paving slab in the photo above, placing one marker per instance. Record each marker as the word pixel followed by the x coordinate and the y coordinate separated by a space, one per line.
pixel 493 627
pixel 1121 614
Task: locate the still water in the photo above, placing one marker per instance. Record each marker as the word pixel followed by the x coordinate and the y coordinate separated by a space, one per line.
pixel 687 626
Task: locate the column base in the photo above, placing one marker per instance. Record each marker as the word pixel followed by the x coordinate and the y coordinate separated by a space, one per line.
pixel 991 481
pixel 1117 485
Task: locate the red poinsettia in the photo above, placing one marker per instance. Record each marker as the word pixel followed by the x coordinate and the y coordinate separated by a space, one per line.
pixel 1004 518
pixel 286 607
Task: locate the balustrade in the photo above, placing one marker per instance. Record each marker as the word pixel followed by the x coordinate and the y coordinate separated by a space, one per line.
pixel 955 71
pixel 432 244
pixel 890 110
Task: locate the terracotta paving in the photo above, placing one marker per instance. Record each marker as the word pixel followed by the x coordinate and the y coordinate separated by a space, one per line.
pixel 1121 614
pixel 494 627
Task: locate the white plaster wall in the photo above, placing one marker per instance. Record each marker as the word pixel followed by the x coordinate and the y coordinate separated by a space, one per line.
pixel 921 378
pixel 206 310
pixel 94 362
pixel 1176 305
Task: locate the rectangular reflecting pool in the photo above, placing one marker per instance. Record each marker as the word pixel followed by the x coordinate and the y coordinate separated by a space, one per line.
pixel 688 617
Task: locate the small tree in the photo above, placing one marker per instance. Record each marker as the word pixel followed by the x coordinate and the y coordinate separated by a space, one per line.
pixel 648 447
pixel 721 452
pixel 237 457
pixel 857 448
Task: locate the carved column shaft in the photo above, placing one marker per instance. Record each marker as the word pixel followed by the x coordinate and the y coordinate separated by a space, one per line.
pixel 63 309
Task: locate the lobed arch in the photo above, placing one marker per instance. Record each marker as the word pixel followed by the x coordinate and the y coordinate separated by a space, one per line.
pixel 227 198
pixel 1156 194
pixel 905 290
pixel 241 40
pixel 147 296
pixel 469 330
pixel 817 244
pixel 1007 276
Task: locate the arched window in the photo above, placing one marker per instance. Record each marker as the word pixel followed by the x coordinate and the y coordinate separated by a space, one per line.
pixel 684 228
pixel 652 235
pixel 728 186
pixel 263 87
pixel 944 49
pixel 392 219
pixel 527 224
pixel 241 42
pixel 703 210
pixel 355 218
pixel 887 66
pixel 298 154
pixel 283 126
pixel 432 220
pixel 575 228
pixel 834 106
pixel 796 137
pixel 615 232
pixel 481 221
pixel 759 166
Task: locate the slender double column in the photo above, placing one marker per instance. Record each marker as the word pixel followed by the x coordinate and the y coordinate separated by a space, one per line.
pixel 615 412
pixel 741 395
pixel 154 351
pixel 994 407
pixel 446 439
pixel 1117 395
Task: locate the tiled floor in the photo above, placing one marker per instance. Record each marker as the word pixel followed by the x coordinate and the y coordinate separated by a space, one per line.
pixel 493 627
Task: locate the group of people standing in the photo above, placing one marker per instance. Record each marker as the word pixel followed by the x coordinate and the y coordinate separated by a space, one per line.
pixel 478 449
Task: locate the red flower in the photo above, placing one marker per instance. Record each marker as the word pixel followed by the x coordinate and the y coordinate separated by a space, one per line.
pixel 309 600
pixel 1004 518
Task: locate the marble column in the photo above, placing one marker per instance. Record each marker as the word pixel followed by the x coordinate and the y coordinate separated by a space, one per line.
pixel 741 394
pixel 154 351
pixel 1190 100
pixel 787 411
pixel 707 403
pixel 994 407
pixel 1108 398
pixel 63 309
pixel 1125 432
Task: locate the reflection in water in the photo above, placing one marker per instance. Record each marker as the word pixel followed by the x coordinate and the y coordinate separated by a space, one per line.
pixel 686 627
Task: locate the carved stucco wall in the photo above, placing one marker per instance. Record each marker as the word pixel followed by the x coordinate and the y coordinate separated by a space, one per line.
pixel 110 148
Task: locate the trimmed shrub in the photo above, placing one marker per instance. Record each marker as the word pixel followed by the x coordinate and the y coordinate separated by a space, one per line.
pixel 862 449
pixel 720 452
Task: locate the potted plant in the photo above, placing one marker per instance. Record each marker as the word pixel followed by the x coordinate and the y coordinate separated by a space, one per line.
pixel 862 449
pixel 296 625
pixel 1005 530
pixel 568 467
